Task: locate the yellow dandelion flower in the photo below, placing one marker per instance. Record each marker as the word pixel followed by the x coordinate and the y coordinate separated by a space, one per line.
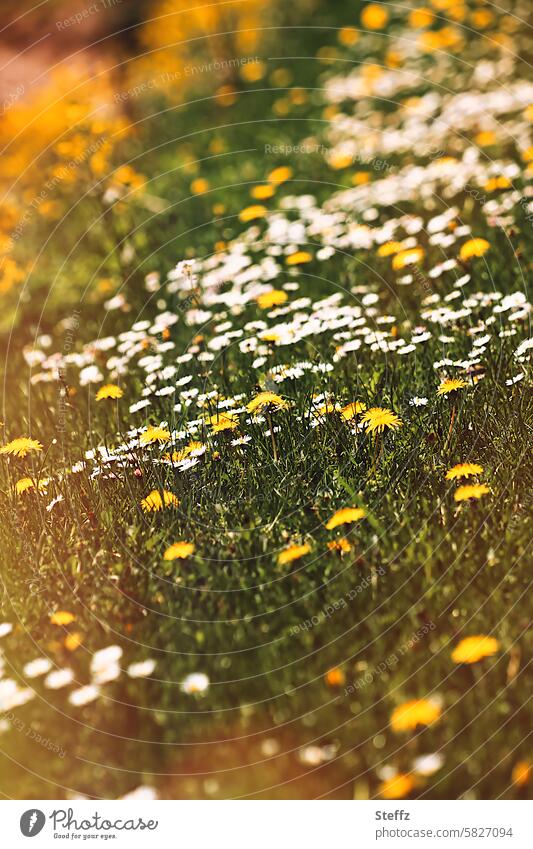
pixel 264 400
pixel 156 501
pixel 421 17
pixel 341 545
pixel 25 484
pixel 73 641
pixel 379 418
pixel 21 446
pixel 179 551
pixel 474 247
pixel 223 421
pixel 335 677
pixel 473 490
pixel 348 36
pixel 473 649
pixel 398 787
pixel 409 715
pixel 451 384
pixel 271 299
pixel 345 516
pixel 389 248
pixel 293 552
pixel 199 186
pixel 263 191
pixel 350 411
pixel 251 213
pixel 62 617
pixel 154 434
pixel 110 390
pixel 374 16
pixel 463 470
pixel 299 258
pixel 280 175
pixel 521 774
pixel 408 257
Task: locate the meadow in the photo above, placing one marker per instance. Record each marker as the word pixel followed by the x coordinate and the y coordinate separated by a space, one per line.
pixel 265 455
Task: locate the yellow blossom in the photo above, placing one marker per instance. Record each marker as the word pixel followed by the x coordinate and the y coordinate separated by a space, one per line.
pixel 21 446
pixel 280 175
pixel 341 545
pixel 521 774
pixel 262 192
pixel 463 470
pixel 474 247
pixel 154 434
pixel 179 551
pixel 473 649
pixel 223 421
pixel 451 384
pixel 398 787
pixel 379 418
pixel 25 484
pixel 345 516
pixel 62 617
pixel 335 677
pixel 374 16
pixel 264 400
pixel 299 258
pixel 475 490
pixel 409 715
pixel 156 501
pixel 293 552
pixel 110 390
pixel 271 299
pixel 251 213
pixel 407 257
pixel 350 411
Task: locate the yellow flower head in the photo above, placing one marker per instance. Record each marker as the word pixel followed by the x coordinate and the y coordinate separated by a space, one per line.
pixel 345 516
pixel 521 774
pixel 374 16
pixel 472 649
pixel 280 175
pixel 299 258
pixel 350 411
pixel 397 787
pixel 110 390
pixel 474 247
pixel 223 421
pixel 199 186
pixel 156 501
pixel 473 490
pixel 463 470
pixel 407 257
pixel 409 715
pixel 335 677
pixel 341 545
pixel 179 551
pixel 154 434
pixel 293 552
pixel 379 418
pixel 25 484
pixel 451 384
pixel 251 213
pixel 73 641
pixel 271 299
pixel 264 400
pixel 62 617
pixel 21 446
pixel 262 192
pixel 389 248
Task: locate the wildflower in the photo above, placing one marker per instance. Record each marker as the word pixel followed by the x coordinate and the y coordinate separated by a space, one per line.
pixel 417 401
pixel 21 446
pixel 251 213
pixel 345 516
pixel 408 257
pixel 350 411
pixel 73 641
pixel 379 418
pixel 199 186
pixel 154 501
pixel 264 400
pixel 110 390
pixel 451 384
pixel 179 551
pixel 62 617
pixel 409 715
pixel 58 678
pixel 84 695
pixel 154 434
pixel 476 491
pixel 39 666
pixel 223 421
pixel 196 682
pixel 280 175
pixel 271 299
pixel 374 16
pixel 335 677
pixel 142 669
pixel 293 552
pixel 463 470
pixel 474 247
pixel 398 787
pixel 472 649
pixel 341 545
pixel 262 192
pixel 299 258
pixel 25 484
pixel 521 774
pixel 427 765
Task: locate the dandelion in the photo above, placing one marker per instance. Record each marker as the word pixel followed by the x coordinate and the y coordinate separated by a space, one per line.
pixel 21 446
pixel 266 400
pixel 251 213
pixel 25 484
pixel 345 516
pixel 379 418
pixel 341 545
pixel 521 774
pixel 299 258
pixel 262 192
pixel 398 787
pixel 407 257
pixel 280 175
pixel 350 411
pixel 468 491
pixel 451 384
pixel 156 501
pixel 335 677
pixel 271 299
pixel 474 248
pixel 154 434
pixel 73 641
pixel 62 617
pixel 473 649
pixel 223 421
pixel 374 16
pixel 409 715
pixel 179 551
pixel 463 470
pixel 293 552
pixel 110 390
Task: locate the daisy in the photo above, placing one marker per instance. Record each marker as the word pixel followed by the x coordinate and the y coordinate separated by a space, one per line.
pixel 196 682
pixel 417 401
